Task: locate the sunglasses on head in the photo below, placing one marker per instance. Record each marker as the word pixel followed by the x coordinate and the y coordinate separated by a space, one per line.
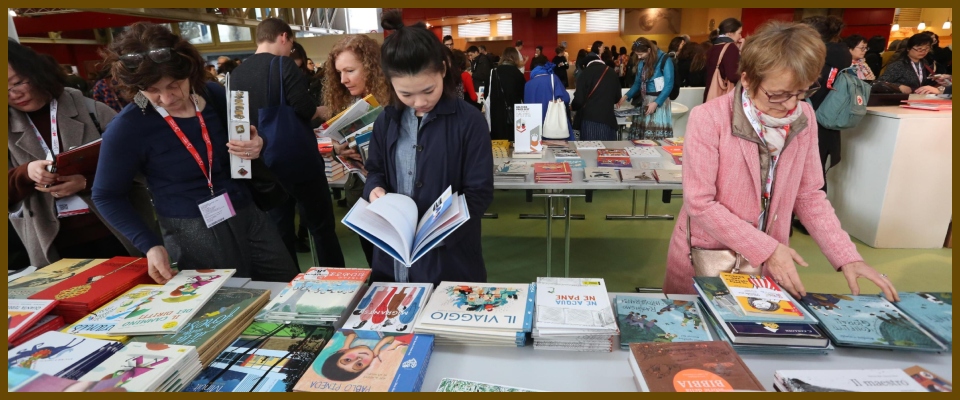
pixel 133 60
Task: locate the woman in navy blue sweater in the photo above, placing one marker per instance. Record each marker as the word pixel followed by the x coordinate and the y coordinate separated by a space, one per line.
pixel 176 136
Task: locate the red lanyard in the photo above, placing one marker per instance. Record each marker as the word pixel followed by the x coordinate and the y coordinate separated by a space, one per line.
pixel 186 142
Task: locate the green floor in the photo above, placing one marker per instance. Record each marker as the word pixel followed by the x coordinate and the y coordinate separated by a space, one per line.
pixel 628 254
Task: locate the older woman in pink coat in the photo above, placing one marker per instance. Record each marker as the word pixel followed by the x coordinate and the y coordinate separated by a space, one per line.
pixel 759 144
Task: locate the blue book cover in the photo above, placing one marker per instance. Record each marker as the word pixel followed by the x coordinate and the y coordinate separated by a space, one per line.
pixel 724 306
pixel 576 164
pixel 933 311
pixel 868 321
pixel 644 319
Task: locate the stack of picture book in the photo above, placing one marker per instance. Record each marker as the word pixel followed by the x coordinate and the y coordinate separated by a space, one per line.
pixel 588 145
pixel 574 314
pixel 601 174
pixel 669 175
pixel 613 158
pixel 320 296
pixel 652 317
pixel 460 385
pixel 757 316
pixel 570 156
pixel 673 141
pixel 675 151
pixel 355 117
pixel 929 104
pixel 638 175
pixel 367 361
pixel 853 380
pixel 389 308
pixel 501 148
pixel 60 354
pixel 125 307
pixel 42 279
pixel 690 367
pixel 217 323
pixel 869 321
pixel 267 357
pixel 512 171
pixel 558 172
pixel 932 310
pixel 86 291
pixel 331 166
pixel 47 323
pixel 643 152
pixel 23 380
pixel 23 314
pixel 479 314
pixel 645 143
pixel 147 367
pixel 179 300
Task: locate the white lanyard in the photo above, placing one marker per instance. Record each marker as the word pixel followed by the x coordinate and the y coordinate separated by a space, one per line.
pixel 54 136
pixel 919 70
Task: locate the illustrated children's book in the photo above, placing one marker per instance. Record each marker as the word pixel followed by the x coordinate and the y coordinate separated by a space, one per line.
pixel 390 308
pixel 499 306
pixel 90 289
pixel 60 354
pixel 318 297
pixel 147 367
pixel 761 296
pixel 48 276
pixel 613 158
pixel 931 381
pixel 659 320
pixel 868 321
pixel 856 380
pixel 724 306
pixel 460 385
pixel 98 324
pixel 180 299
pixel 933 311
pixel 22 314
pixel 362 361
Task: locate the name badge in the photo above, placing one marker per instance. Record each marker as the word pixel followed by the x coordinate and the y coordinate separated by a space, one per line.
pixel 216 209
pixel 70 206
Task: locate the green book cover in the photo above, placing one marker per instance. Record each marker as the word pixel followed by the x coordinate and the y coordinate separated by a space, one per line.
pixel 361 122
pixel 225 305
pixel 294 331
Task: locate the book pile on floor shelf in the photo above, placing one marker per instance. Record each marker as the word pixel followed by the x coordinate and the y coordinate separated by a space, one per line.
pixel 320 296
pixel 479 314
pixel 574 314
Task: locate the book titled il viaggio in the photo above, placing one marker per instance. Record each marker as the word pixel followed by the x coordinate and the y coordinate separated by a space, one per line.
pixel 390 223
pixel 180 299
pixel 362 361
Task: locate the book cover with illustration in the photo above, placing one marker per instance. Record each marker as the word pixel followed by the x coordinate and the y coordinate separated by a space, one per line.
pixel 669 175
pixel 690 367
pixel 601 174
pixel 268 357
pixel 674 150
pixel 60 354
pixel 46 324
pixel 551 168
pixel 319 291
pixel 98 324
pixel 498 306
pixel 390 308
pixel 932 310
pixel 722 304
pixel 22 314
pixel 761 296
pixel 565 153
pixel 659 320
pixel 179 300
pixel 852 380
pixel 86 291
pixel 638 175
pixel 644 152
pixel 144 367
pixel 460 385
pixel 361 361
pixel 644 142
pixel 929 380
pixel 575 304
pixel 45 277
pixel 868 321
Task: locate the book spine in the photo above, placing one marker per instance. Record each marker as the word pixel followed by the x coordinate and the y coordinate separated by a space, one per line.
pixel 531 305
pixel 410 375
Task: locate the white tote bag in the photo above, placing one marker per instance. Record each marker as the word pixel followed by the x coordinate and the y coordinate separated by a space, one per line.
pixel 486 102
pixel 555 124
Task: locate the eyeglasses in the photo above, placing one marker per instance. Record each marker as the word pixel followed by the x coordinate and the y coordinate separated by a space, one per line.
pixel 133 60
pixel 862 48
pixel 782 97
pixel 921 49
pixel 18 88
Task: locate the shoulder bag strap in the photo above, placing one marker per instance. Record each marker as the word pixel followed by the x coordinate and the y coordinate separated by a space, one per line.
pixel 91 105
pixel 720 60
pixel 605 68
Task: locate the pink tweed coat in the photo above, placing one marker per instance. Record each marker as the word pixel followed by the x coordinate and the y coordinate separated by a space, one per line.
pixel 721 192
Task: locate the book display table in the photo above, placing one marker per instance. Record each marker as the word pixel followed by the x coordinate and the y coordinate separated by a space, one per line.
pixel 566 371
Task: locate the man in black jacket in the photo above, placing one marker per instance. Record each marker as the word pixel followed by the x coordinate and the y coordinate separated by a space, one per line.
pixel 481 66
pixel 309 187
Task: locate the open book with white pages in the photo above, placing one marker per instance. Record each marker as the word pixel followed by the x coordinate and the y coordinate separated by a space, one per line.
pixel 390 223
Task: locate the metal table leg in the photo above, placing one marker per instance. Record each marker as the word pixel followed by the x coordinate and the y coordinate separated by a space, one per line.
pixel 567 216
pixel 578 217
pixel 633 210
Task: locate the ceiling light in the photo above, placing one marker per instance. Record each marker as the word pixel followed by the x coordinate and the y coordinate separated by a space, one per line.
pixel 895 27
pixel 11 12
pixel 947 25
pixel 922 26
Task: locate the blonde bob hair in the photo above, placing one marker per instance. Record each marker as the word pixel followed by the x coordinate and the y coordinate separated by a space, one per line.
pixel 511 56
pixel 778 47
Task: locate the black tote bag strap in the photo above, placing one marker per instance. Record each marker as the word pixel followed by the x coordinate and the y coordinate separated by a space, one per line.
pixel 283 99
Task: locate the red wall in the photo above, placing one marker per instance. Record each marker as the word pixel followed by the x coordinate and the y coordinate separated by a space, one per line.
pixel 540 30
pixel 868 22
pixel 75 54
pixel 752 18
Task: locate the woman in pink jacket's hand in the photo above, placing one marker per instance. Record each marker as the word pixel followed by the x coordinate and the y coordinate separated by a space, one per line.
pixel 758 145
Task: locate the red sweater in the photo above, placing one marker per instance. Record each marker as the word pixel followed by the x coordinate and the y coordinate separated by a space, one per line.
pixel 468 85
pixel 728 66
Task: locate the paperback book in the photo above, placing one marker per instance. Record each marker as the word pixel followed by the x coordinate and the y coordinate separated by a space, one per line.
pixel 565 153
pixel 147 367
pixel 933 311
pixel 175 306
pixel 644 152
pixel 24 380
pixel 574 314
pixel 389 308
pixel 760 296
pixel 721 303
pixel 127 306
pixel 690 367
pixel 43 278
pixel 645 320
pixel 318 297
pixel 638 175
pixel 772 347
pixel 601 174
pixel 61 354
pixel 90 289
pixel 669 175
pixel 479 313
pixel 22 314
pixel 854 380
pixel 460 385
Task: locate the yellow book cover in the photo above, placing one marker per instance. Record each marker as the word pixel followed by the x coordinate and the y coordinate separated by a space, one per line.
pixel 97 324
pixel 46 277
pixel 760 296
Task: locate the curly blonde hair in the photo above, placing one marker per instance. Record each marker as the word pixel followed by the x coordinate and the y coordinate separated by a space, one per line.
pixel 335 95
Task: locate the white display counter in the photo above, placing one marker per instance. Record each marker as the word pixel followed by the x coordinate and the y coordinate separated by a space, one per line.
pixel 893 186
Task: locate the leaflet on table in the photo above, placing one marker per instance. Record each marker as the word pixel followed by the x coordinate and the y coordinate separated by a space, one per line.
pixel 238 128
pixel 389 308
pixel 182 297
pixel 868 321
pixel 23 313
pixel 659 320
pixel 722 304
pixel 760 295
pixel 390 223
pixel 933 311
pixel 527 136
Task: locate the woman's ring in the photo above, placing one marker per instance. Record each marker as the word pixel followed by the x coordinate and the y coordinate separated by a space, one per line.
pixel 883 275
pixel 55 194
pixel 247 154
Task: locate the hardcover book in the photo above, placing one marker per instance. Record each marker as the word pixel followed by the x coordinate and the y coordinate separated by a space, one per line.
pixel 179 300
pixel 389 308
pixel 46 324
pixel 644 152
pixel 770 333
pixel 460 385
pixel 319 296
pixel 499 306
pixel 48 276
pixel 613 158
pixel 513 167
pixel 929 380
pixel 644 142
pixel 638 175
pixel 868 321
pixel 146 367
pixel 674 150
pixel 854 380
pixel 61 354
pixel 576 164
pixel 127 306
pixel 933 311
pixel 690 367
pixel 565 153
pixel 659 320
pixel 23 314
pixel 669 175
pixel 601 174
pixel 760 296
pixel 722 305
pixel 589 145
pixel 88 290
pixel 79 160
pixel 364 362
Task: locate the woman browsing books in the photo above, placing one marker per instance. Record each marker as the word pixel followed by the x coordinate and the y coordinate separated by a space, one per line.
pixel 426 141
pixel 176 135
pixel 752 156
pixel 53 213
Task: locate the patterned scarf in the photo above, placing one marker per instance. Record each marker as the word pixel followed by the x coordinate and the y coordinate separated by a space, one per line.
pixel 772 131
pixel 863 70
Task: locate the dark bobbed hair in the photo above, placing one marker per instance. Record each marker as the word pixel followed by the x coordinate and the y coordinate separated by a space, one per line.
pixel 44 74
pixel 140 37
pixel 411 50
pixel 299 53
pixel 675 43
pixel 876 44
pixel 828 26
pixel 919 39
pixel 538 61
pixel 729 25
pixel 854 40
pixel 473 49
pixel 460 59
pixel 447 37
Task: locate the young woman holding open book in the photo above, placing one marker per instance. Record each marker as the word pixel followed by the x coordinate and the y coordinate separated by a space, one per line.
pixel 427 140
pixel 353 72
pixel 176 136
pixel 47 119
